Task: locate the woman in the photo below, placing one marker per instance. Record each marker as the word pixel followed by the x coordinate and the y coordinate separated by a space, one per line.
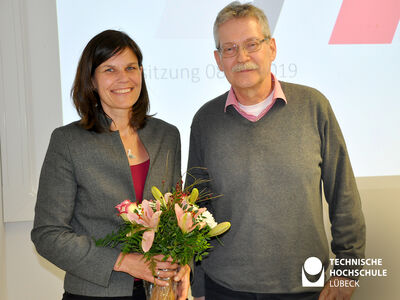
pixel 115 152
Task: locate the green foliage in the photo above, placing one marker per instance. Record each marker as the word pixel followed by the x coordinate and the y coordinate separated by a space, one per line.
pixel 172 242
pixel 129 236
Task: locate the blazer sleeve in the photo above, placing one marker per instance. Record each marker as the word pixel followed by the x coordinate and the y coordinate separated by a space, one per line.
pixel 52 233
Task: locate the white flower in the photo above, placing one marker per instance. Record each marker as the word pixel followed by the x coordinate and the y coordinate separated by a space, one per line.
pixel 209 219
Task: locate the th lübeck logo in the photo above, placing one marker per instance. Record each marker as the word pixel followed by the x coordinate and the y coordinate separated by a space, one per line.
pixel 312 268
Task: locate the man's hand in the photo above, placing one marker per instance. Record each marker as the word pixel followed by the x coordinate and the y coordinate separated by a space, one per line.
pixel 344 292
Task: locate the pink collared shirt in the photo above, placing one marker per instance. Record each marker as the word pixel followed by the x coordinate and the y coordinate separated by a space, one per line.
pixel 277 93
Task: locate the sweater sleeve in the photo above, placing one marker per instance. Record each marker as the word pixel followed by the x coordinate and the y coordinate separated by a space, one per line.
pixel 195 171
pixel 52 233
pixel 177 160
pixel 341 193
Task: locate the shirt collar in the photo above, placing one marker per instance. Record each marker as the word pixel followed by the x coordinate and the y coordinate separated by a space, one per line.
pixel 277 94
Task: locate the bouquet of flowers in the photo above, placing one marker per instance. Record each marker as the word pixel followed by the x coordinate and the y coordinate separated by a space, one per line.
pixel 170 224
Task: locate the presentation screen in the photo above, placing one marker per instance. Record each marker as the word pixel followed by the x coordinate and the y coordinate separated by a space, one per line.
pixel 348 52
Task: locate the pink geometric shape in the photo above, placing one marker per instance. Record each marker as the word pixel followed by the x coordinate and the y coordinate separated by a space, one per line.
pixel 366 22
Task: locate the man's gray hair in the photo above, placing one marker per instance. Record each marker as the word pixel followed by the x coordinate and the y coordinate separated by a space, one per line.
pixel 237 10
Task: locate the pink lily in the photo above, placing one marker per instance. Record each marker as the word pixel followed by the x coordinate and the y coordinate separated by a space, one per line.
pixel 148 219
pixel 185 219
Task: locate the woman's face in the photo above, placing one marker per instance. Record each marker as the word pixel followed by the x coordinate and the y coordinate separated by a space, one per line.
pixel 118 81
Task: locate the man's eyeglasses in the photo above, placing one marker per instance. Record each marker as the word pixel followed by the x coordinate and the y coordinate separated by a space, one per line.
pixel 232 49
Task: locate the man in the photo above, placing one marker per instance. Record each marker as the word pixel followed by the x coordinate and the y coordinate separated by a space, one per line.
pixel 267 147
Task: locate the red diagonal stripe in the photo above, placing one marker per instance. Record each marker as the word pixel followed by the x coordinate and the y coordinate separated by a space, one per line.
pixel 366 22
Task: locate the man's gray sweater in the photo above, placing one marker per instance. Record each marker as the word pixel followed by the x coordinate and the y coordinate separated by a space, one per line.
pixel 270 175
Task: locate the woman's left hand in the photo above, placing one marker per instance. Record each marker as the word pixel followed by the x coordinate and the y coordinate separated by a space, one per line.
pixel 183 277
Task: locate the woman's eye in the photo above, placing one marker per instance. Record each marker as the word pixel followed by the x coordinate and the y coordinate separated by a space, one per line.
pixel 109 70
pixel 131 68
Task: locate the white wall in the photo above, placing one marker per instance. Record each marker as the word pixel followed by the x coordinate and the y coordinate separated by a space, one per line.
pixel 380 198
pixel 381 204
pixel 29 276
pixel 33 83
pixel 30 98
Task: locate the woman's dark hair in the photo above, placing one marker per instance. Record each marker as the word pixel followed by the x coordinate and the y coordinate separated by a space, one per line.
pixel 86 99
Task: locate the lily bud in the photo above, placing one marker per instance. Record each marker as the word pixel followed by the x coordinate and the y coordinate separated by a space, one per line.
pixel 157 195
pixel 193 196
pixel 219 229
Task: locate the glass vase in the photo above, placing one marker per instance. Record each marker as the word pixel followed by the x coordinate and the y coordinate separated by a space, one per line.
pixel 156 292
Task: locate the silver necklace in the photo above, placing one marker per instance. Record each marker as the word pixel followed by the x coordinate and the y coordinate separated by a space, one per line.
pixel 130 155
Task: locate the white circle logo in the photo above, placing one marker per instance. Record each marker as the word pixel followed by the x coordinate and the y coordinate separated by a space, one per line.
pixel 312 265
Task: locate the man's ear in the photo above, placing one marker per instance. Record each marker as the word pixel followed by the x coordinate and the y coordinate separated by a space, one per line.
pixel 218 58
pixel 272 46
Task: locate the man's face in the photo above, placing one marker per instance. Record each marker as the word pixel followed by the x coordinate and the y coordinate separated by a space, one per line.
pixel 238 31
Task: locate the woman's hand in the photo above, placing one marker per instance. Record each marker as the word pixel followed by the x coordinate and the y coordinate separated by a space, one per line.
pixel 183 277
pixel 136 265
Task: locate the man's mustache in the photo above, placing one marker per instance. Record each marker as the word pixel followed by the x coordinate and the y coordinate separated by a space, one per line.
pixel 244 67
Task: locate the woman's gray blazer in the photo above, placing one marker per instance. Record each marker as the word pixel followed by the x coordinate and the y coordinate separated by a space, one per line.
pixel 84 176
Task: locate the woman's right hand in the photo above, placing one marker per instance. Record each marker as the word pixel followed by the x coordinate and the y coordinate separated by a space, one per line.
pixel 136 265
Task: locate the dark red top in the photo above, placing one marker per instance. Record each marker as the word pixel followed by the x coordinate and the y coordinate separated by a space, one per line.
pixel 139 174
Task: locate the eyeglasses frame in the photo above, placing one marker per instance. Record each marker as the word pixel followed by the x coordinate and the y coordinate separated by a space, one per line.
pixel 241 45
